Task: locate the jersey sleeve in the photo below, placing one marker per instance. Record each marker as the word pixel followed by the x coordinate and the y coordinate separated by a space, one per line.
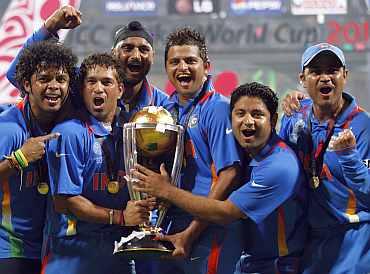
pixel 270 185
pixel 355 162
pixel 222 144
pixel 39 35
pixel 66 160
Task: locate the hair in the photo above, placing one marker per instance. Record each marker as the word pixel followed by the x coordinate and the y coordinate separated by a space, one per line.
pixel 101 59
pixel 133 29
pixel 254 89
pixel 187 36
pixel 44 55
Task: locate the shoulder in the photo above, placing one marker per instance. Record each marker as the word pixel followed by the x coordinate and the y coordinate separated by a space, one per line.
pixel 71 127
pixel 215 103
pixel 159 92
pixel 282 153
pixel 11 121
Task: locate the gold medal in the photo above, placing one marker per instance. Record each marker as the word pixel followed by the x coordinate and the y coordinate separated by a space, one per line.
pixel 43 188
pixel 315 182
pixel 113 187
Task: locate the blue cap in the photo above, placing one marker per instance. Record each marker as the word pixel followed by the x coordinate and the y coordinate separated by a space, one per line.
pixel 314 50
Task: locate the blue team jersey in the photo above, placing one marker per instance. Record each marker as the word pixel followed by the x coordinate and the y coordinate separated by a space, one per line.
pixel 209 143
pixel 23 208
pixel 273 200
pixel 77 166
pixel 4 107
pixel 149 95
pixel 343 194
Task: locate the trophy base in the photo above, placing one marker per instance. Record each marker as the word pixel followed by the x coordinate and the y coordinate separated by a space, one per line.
pixel 145 247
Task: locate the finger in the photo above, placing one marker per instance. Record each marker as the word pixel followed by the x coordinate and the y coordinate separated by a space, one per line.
pixel 138 175
pixel 163 170
pixel 48 137
pixel 144 170
pixel 141 189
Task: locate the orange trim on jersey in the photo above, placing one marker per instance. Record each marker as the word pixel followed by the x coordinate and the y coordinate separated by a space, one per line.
pixel 214 175
pixel 213 257
pixel 326 172
pixel 5 205
pixel 44 263
pixel 189 149
pixel 205 97
pixel 351 204
pixel 282 244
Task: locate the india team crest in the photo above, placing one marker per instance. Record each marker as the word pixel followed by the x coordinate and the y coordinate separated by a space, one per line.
pixel 193 121
pixel 20 19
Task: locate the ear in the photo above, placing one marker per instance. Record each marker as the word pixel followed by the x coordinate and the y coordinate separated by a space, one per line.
pixel 121 90
pixel 345 74
pixel 27 86
pixel 274 119
pixel 207 67
pixel 302 79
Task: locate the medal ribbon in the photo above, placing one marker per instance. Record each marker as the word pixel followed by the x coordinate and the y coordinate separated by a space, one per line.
pixel 41 164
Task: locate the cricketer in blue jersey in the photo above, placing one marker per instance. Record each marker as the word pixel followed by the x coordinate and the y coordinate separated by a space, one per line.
pixel 133 45
pixel 211 161
pixel 86 174
pixel 271 202
pixel 331 135
pixel 44 74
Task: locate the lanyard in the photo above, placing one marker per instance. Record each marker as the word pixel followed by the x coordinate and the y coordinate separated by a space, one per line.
pixel 41 165
pixel 317 156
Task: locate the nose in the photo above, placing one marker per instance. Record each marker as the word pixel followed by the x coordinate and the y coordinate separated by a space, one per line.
pixel 182 65
pixel 99 87
pixel 135 54
pixel 248 121
pixel 53 84
pixel 325 77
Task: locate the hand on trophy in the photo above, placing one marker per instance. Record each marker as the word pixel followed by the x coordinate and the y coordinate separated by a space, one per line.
pixel 180 241
pixel 152 183
pixel 138 212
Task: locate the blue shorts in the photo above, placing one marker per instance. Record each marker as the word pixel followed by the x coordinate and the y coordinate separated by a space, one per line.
pixel 340 249
pixel 217 250
pixel 82 254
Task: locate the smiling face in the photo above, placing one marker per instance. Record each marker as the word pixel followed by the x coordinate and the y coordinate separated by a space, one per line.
pixel 252 123
pixel 136 55
pixel 47 90
pixel 101 90
pixel 186 70
pixel 324 79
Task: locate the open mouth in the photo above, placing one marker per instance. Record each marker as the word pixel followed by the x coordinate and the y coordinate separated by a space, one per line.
pixel 52 98
pixel 134 66
pixel 98 102
pixel 184 79
pixel 248 133
pixel 325 90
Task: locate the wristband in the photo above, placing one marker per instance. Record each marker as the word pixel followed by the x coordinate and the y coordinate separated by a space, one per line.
pixel 111 214
pixel 13 162
pixel 21 159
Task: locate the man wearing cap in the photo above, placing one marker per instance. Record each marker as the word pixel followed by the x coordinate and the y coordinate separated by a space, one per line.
pixel 331 135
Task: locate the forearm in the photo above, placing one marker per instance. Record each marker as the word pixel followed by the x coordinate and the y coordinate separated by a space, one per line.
pixel 204 208
pixel 84 209
pixel 355 171
pixel 6 170
pixel 226 183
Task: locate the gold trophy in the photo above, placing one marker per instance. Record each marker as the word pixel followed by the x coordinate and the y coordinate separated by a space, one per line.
pixel 151 138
